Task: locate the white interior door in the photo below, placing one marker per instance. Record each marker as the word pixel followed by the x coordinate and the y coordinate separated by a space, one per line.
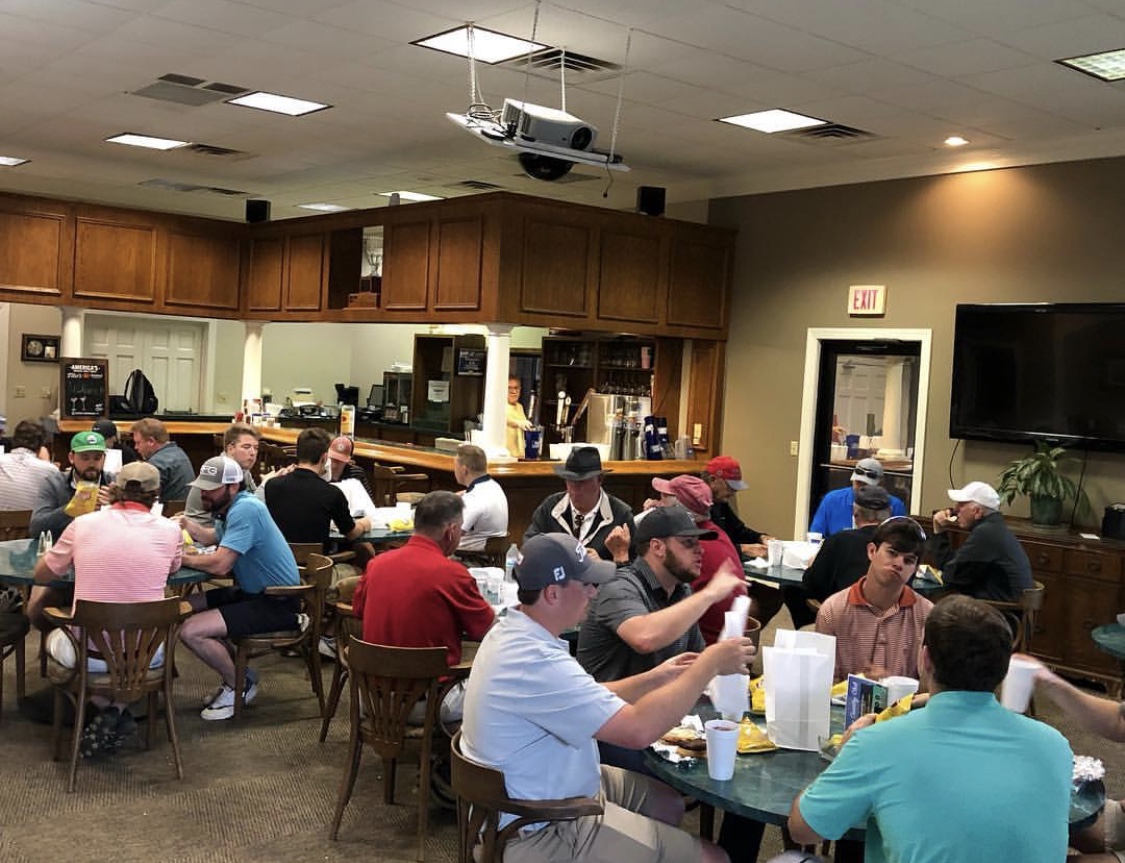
pixel 169 352
pixel 861 384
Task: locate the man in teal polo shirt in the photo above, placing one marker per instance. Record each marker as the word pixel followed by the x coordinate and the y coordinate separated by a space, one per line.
pixel 251 548
pixel 961 779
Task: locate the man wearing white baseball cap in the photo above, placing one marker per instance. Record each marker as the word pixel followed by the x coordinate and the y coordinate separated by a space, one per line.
pixel 835 511
pixel 990 564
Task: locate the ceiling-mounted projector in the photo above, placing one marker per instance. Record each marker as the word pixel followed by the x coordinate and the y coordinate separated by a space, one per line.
pixel 527 122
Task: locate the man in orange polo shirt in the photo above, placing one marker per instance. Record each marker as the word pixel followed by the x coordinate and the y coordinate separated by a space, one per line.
pixel 878 621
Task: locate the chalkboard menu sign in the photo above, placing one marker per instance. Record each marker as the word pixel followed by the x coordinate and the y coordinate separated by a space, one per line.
pixel 84 390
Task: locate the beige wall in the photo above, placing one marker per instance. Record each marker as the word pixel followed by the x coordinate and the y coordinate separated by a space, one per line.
pixel 32 379
pixel 1049 233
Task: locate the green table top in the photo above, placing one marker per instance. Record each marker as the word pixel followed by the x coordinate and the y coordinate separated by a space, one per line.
pixel 18 558
pixel 1110 638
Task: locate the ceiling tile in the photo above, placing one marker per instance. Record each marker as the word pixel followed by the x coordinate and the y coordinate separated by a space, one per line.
pixel 223 16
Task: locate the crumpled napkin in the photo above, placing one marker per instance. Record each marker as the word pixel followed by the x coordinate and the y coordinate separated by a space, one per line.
pixel 1088 769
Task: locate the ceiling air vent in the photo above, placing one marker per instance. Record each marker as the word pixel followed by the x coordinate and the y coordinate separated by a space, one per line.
pixel 475 185
pixel 175 186
pixel 836 133
pixel 553 58
pixel 186 90
pixel 212 150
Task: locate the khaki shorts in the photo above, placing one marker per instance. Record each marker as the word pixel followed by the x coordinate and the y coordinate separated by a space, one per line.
pixel 622 834
pixel 1114 821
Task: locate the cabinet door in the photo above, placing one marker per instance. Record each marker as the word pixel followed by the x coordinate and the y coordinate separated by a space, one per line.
pixel 705 396
pixel 630 286
pixel 555 270
pixel 31 252
pixel 1089 603
pixel 263 282
pixel 202 271
pixel 114 260
pixel 304 279
pixel 406 266
pixel 1051 621
pixel 699 276
pixel 457 284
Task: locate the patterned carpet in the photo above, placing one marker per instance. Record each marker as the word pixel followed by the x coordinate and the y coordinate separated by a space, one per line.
pixel 256 789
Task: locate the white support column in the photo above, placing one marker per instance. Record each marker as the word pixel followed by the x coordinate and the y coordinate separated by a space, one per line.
pixel 252 360
pixel 496 387
pixel 892 408
pixel 70 344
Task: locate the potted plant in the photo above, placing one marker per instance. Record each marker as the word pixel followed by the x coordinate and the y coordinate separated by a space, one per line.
pixel 1037 475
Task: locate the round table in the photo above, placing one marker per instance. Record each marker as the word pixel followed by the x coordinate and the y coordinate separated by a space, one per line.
pixel 1110 637
pixel 19 556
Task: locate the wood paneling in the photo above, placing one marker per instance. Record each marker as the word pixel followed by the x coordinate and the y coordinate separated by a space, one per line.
pixel 630 287
pixel 30 252
pixel 555 269
pixel 114 260
pixel 304 273
pixel 264 280
pixel 705 388
pixel 699 278
pixel 406 266
pixel 458 276
pixel 202 271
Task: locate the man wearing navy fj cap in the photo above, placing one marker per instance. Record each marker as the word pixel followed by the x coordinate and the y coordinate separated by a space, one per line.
pixel 534 713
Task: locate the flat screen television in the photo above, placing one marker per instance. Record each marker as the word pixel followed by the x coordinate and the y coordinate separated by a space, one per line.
pixel 1048 371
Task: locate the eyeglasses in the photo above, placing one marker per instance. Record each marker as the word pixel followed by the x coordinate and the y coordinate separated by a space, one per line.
pixel 869 473
pixel 907 519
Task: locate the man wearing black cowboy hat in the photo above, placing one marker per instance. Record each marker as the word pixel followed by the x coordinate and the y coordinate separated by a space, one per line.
pixel 600 521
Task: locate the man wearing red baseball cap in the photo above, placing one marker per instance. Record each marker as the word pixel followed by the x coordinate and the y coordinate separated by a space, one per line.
pixel 724 475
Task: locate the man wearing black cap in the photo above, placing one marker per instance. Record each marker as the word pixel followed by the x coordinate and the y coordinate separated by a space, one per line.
pixel 107 428
pixel 532 712
pixel 648 613
pixel 835 511
pixel 842 559
pixel 600 521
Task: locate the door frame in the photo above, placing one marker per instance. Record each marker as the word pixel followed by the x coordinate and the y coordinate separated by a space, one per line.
pixel 814 338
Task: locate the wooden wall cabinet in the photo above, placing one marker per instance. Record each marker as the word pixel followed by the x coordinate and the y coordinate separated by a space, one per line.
pixel 705 396
pixel 438 367
pixel 114 260
pixel 265 274
pixel 305 272
pixel 406 266
pixel 34 252
pixel 700 271
pixel 202 271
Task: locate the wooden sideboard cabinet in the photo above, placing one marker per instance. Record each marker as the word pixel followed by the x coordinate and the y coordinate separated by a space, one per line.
pixel 1083 590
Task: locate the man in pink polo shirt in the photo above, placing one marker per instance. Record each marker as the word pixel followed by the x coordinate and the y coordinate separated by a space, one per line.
pixel 122 553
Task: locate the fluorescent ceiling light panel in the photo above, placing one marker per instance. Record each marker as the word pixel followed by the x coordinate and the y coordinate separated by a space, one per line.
pixel 489 46
pixel 134 140
pixel 323 208
pixel 956 141
pixel 1107 66
pixel 774 120
pixel 12 161
pixel 277 104
pixel 412 196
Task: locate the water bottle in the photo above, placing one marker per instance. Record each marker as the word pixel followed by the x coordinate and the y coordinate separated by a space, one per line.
pixel 510 562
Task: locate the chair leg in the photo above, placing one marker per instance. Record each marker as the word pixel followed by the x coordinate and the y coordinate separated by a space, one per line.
pixel 241 660
pixel 170 723
pixel 425 765
pixel 355 754
pixel 390 766
pixel 79 724
pixel 56 727
pixel 150 729
pixel 21 669
pixel 42 653
pixel 339 678
pixel 315 673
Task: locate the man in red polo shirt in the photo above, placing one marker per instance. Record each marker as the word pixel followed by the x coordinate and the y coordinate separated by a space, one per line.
pixel 415 596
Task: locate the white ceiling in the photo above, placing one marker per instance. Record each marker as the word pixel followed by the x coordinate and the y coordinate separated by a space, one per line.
pixel 910 72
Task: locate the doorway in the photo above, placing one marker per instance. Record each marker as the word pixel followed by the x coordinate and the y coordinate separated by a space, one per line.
pixel 865 393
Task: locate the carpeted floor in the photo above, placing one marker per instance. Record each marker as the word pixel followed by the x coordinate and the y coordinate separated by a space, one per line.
pixel 256 789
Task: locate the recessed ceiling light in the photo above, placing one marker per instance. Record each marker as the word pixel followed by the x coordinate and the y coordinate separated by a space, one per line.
pixel 12 161
pixel 489 46
pixel 134 140
pixel 774 120
pixel 412 196
pixel 956 141
pixel 323 208
pixel 277 104
pixel 1107 66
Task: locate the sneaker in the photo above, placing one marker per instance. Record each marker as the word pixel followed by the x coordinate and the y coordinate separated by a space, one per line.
pixel 251 676
pixel 99 737
pixel 222 707
pixel 327 646
pixel 126 725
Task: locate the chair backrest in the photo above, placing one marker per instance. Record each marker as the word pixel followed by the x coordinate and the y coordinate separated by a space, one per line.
pixel 388 682
pixel 174 507
pixel 1021 615
pixel 302 550
pixel 127 636
pixel 14 524
pixel 316 572
pixel 482 796
pixel 493 553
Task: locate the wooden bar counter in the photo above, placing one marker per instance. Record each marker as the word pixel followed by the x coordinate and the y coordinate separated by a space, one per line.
pixel 526 483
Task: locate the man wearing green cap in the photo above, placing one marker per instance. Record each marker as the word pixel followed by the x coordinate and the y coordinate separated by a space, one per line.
pixel 87 458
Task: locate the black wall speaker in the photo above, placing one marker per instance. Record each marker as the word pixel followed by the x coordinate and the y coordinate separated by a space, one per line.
pixel 650 200
pixel 259 211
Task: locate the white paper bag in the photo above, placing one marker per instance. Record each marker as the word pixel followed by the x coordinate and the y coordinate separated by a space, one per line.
pixel 798 672
pixel 730 693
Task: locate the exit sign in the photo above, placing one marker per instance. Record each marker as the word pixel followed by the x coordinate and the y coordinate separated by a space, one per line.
pixel 867 300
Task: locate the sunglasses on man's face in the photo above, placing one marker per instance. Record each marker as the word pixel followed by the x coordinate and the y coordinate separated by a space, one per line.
pixel 907 520
pixel 867 472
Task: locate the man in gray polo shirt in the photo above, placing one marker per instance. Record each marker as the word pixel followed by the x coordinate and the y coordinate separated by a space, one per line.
pixel 533 713
pixel 648 613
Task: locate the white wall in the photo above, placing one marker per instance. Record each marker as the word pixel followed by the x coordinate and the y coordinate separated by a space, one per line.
pixel 35 379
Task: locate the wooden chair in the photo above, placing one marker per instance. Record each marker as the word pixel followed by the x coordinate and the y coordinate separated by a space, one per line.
pixel 316 575
pixel 347 627
pixel 273 456
pixel 386 684
pixel 482 797
pixel 495 547
pixel 1021 615
pixel 127 636
pixel 13 640
pixel 174 507
pixel 390 482
pixel 14 524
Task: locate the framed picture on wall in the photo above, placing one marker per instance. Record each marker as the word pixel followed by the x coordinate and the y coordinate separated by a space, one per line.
pixel 39 349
